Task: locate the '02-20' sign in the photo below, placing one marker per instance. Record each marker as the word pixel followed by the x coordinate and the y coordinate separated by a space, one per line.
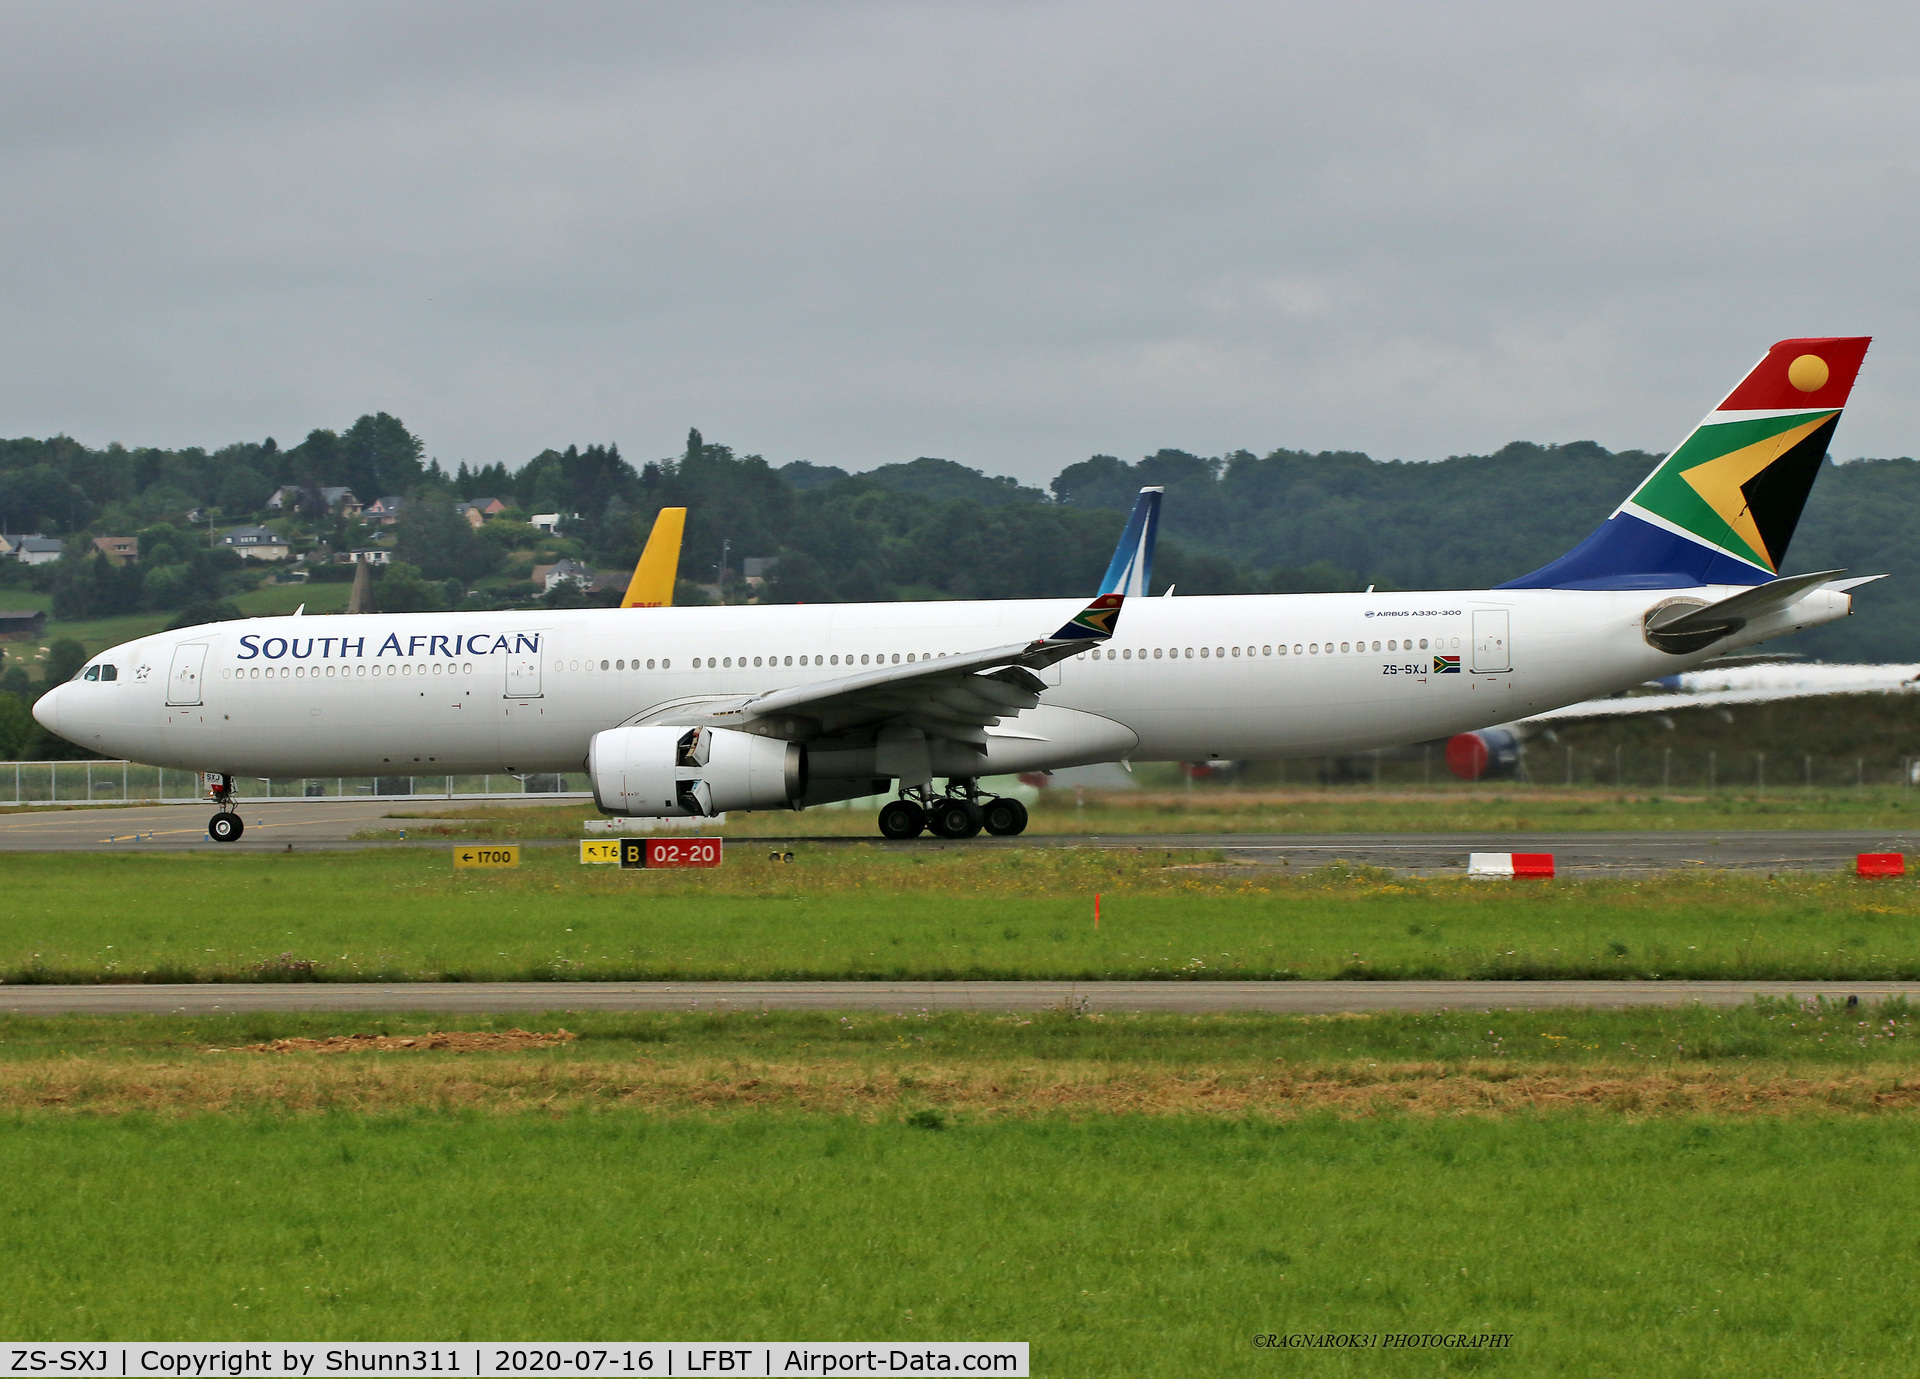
pixel 669 852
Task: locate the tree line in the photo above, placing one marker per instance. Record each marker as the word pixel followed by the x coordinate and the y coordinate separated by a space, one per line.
pixel 1283 521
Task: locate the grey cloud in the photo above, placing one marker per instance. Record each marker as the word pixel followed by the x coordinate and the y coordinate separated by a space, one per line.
pixel 1008 234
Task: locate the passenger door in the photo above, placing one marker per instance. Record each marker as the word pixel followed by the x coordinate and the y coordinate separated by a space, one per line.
pixel 1491 651
pixel 183 680
pixel 523 675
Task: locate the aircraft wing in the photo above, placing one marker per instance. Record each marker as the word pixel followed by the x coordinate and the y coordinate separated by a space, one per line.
pixel 1797 682
pixel 954 697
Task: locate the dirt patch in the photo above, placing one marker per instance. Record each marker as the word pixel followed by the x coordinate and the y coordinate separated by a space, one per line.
pixel 483 1041
pixel 201 1084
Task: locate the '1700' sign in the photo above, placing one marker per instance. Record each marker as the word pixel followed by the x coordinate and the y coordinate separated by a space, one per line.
pixel 508 856
pixel 669 852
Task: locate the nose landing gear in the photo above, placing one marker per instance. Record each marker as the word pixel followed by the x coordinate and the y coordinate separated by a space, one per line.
pixel 961 813
pixel 225 826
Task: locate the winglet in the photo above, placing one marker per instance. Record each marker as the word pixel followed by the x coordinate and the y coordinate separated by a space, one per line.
pixel 659 564
pixel 1094 623
pixel 1132 567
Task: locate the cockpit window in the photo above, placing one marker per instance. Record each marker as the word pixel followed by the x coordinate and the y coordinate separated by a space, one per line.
pixel 93 673
pixel 109 672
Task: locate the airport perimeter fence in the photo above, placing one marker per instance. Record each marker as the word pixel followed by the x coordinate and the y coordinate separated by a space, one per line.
pixel 1624 766
pixel 129 782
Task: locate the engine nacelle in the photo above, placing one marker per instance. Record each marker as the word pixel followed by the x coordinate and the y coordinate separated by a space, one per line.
pixel 1490 754
pixel 677 772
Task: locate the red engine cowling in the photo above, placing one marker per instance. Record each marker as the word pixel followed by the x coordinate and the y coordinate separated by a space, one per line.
pixel 1490 754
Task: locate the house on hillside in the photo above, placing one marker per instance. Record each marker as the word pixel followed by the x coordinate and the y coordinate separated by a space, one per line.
pixel 371 555
pixel 478 510
pixel 545 521
pixel 551 577
pixel 22 625
pixel 340 499
pixel 756 569
pixel 119 550
pixel 37 550
pixel 385 511
pixel 256 543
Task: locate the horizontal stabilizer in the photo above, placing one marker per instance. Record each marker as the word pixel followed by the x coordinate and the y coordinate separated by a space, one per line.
pixel 1681 629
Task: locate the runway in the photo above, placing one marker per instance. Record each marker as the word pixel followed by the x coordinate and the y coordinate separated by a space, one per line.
pixel 273 826
pixel 906 998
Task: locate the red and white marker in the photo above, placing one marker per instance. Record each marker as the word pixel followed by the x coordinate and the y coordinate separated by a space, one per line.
pixel 1880 864
pixel 1508 865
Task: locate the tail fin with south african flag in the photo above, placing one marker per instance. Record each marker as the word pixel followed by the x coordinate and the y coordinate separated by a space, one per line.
pixel 1722 508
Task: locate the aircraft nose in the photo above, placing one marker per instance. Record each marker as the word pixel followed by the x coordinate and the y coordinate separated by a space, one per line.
pixel 47 710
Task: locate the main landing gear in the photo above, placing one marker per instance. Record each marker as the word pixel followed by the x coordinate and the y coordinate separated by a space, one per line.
pixel 226 826
pixel 961 813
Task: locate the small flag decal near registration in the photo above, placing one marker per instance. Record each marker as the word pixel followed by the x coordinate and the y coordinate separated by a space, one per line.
pixel 1448 665
pixel 1505 865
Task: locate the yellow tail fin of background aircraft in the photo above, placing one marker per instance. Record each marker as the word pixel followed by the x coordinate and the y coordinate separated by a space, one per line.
pixel 659 567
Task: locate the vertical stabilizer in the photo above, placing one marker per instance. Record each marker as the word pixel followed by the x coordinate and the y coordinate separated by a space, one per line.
pixel 1132 567
pixel 1722 508
pixel 659 565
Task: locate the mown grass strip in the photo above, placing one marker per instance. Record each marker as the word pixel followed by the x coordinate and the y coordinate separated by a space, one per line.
pixel 865 913
pixel 1770 1058
pixel 1117 1245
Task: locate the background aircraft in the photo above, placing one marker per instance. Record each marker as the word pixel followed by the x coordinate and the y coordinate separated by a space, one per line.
pixel 658 568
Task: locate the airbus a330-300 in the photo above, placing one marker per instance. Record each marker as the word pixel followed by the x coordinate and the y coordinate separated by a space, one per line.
pixel 697 711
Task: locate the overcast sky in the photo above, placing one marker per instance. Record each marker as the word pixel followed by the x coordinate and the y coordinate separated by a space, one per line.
pixel 1011 234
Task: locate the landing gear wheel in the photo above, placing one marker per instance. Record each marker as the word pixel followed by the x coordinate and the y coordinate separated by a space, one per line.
pixel 225 827
pixel 954 818
pixel 1005 818
pixel 902 819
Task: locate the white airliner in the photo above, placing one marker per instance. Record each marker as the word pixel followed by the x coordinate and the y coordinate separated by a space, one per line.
pixel 695 711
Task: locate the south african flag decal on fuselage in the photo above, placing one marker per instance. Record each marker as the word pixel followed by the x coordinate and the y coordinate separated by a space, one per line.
pixel 1446 665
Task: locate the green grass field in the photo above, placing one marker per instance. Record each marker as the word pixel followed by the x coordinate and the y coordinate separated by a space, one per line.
pixel 1497 808
pixel 1132 1196
pixel 857 912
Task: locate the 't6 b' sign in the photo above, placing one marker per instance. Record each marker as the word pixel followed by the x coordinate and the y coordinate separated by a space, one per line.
pixel 669 852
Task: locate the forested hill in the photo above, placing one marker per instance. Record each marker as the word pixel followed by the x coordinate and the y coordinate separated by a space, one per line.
pixel 1283 521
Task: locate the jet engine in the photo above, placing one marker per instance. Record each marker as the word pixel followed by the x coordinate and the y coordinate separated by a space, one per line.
pixel 1490 754
pixel 678 772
